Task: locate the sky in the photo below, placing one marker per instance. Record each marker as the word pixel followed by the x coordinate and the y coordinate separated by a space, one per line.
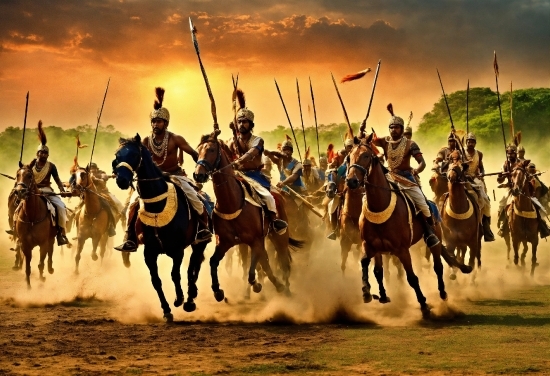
pixel 64 51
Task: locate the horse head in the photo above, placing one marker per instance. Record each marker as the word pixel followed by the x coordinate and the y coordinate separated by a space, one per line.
pixel 520 180
pixel 210 151
pixel 361 159
pixel 331 187
pixel 24 181
pixel 457 169
pixel 127 161
pixel 82 178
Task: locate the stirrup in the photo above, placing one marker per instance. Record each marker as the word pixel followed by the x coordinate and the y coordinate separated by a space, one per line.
pixel 128 246
pixel 279 226
pixel 332 235
pixel 203 235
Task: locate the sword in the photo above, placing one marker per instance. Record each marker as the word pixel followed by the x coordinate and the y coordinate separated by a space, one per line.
pixel 212 102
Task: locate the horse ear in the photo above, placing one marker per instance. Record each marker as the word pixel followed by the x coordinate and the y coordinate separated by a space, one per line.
pixel 369 139
pixel 356 141
pixel 215 134
pixel 138 137
pixel 20 164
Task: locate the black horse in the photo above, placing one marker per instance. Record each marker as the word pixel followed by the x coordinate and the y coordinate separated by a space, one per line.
pixel 157 196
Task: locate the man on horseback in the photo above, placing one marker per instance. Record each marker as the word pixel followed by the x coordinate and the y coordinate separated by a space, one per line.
pixel 289 168
pixel 100 179
pixel 475 170
pixel 521 153
pixel 312 181
pixel 398 151
pixel 43 172
pixel 441 161
pixel 167 152
pixel 408 132
pixel 507 168
pixel 250 164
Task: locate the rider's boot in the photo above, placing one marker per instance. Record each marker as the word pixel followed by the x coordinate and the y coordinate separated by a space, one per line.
pixel 130 237
pixel 429 237
pixel 487 233
pixel 278 225
pixel 203 234
pixel 61 236
pixel 544 231
pixel 502 223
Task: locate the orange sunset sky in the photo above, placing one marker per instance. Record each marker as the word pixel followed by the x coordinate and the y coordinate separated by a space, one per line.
pixel 63 52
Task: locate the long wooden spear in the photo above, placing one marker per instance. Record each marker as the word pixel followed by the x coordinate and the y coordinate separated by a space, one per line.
pixel 342 103
pixel 301 117
pixel 208 89
pixel 450 116
pixel 99 118
pixel 288 118
pixel 24 128
pixel 234 124
pixel 512 131
pixel 372 93
pixel 495 67
pixel 315 116
pixel 467 107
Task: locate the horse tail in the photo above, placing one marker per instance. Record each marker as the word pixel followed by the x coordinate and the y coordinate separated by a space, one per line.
pixel 295 244
pixel 453 262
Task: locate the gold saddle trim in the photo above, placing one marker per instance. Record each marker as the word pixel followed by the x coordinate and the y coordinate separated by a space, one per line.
pixel 247 198
pixel 163 218
pixel 461 216
pixel 383 216
pixel 524 214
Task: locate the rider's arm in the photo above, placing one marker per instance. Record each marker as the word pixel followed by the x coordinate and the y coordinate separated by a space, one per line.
pixel 501 177
pixel 183 145
pixel 296 173
pixel 256 149
pixel 275 156
pixel 55 177
pixel 481 167
pixel 415 152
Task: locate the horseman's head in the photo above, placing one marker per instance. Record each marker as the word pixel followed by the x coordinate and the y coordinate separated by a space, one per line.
pixel 160 117
pixel 451 141
pixel 361 158
pixel 127 161
pixel 24 180
pixel 519 178
pixel 323 163
pixel 512 153
pixel 287 148
pixel 396 126
pixel 209 157
pixel 245 121
pixel 471 141
pixel 456 169
pixel 306 165
pixel 331 187
pixel 42 152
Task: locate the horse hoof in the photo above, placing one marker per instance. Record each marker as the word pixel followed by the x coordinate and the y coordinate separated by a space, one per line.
pixel 288 293
pixel 178 302
pixel 42 279
pixel 127 264
pixel 168 318
pixel 425 311
pixel 280 287
pixel 219 295
pixel 51 270
pixel 257 287
pixel 189 306
pixel 384 300
pixel 466 269
pixel 452 277
pixel 94 257
pixel 376 297
pixel 443 295
pixel 16 268
pixel 367 298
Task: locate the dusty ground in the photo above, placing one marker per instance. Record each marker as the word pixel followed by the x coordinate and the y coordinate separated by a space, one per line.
pixel 108 320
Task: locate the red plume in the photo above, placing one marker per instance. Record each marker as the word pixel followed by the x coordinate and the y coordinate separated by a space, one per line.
pixel 279 146
pixel 41 133
pixel 159 92
pixel 74 167
pixel 240 99
pixel 355 76
pixel 307 154
pixel 390 109
pixel 330 153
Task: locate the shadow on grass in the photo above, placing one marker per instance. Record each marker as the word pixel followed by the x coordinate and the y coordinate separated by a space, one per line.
pixel 507 303
pixel 485 320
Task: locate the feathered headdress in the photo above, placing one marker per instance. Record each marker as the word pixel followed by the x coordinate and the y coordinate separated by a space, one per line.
pixel 159 112
pixel 517 138
pixel 355 76
pixel 159 93
pixel 395 120
pixel 240 104
pixel 75 166
pixel 42 137
pixel 79 145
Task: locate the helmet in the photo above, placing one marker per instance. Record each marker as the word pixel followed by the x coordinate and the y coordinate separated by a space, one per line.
pixel 512 148
pixel 245 113
pixel 42 147
pixel 286 145
pixel 451 137
pixel 531 165
pixel 306 162
pixel 521 148
pixel 396 120
pixel 408 130
pixel 159 112
pixel 323 160
pixel 93 165
pixel 348 142
pixel 471 136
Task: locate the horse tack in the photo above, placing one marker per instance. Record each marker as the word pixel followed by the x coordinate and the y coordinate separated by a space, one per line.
pixel 525 214
pixel 379 217
pixel 166 215
pixel 460 216
pixel 247 198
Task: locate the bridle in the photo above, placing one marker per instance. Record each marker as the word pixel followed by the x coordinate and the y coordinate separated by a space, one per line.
pixel 129 167
pixel 25 190
pixel 524 180
pixel 367 170
pixel 212 169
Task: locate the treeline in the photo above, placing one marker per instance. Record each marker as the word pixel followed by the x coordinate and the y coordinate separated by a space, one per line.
pixel 62 144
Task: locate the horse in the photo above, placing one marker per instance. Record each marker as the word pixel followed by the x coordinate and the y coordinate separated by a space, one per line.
pixel 522 215
pixel 32 222
pixel 461 217
pixel 385 210
pixel 237 221
pixel 167 224
pixel 439 185
pixel 93 218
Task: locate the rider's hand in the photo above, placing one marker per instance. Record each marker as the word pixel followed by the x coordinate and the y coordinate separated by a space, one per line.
pixel 280 184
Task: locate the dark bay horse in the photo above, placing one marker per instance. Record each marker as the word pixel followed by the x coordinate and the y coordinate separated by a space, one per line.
pixel 173 226
pixel 236 221
pixel 522 216
pixel 461 217
pixel 388 225
pixel 439 185
pixel 32 222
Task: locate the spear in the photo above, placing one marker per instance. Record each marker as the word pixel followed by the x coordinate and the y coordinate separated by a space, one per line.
pixel 315 116
pixel 495 67
pixel 289 122
pixel 342 103
pixel 372 93
pixel 24 128
pixel 99 118
pixel 234 124
pixel 212 102
pixel 512 132
pixel 467 98
pixel 301 117
pixel 450 116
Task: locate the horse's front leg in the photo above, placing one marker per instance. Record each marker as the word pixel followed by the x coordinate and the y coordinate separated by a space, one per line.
pixel 177 259
pixel 515 245
pixel 379 275
pixel 151 262
pixel 534 262
pixel 345 247
pixel 524 252
pixel 405 259
pixel 244 257
pixel 264 262
pixel 95 243
pixel 103 246
pixel 438 269
pixel 215 260
pixel 79 247
pixel 195 262
pixel 365 262
pixel 43 254
pixel 27 252
pixel 50 257
pixel 255 250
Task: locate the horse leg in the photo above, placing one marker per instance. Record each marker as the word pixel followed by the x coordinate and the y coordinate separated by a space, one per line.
pixel 515 244
pixel 451 249
pixel 365 261
pixel 379 275
pixel 508 247
pixel 438 269
pixel 151 262
pixel 264 262
pixel 219 252
pixel 126 259
pixel 43 254
pixel 103 246
pixel 28 258
pixel 50 258
pixel 95 243
pixel 195 262
pixel 177 259
pixel 243 255
pixel 283 257
pixel 534 262
pixel 18 257
pixel 80 245
pixel 397 264
pixel 255 251
pixel 405 259
pixel 345 247
pixel 229 261
pixel 524 253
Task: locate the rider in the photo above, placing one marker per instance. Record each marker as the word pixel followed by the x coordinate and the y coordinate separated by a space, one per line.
pixel 100 180
pixel 323 164
pixel 43 171
pixel 511 161
pixel 474 173
pixel 289 167
pixel 166 150
pixel 441 161
pixel 398 151
pixel 267 166
pixel 312 181
pixel 521 153
pixel 541 190
pixel 408 133
pixel 250 164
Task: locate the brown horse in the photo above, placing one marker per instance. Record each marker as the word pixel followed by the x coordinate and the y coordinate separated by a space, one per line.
pixel 439 185
pixel 92 221
pixel 32 222
pixel 461 217
pixel 237 221
pixel 388 225
pixel 522 216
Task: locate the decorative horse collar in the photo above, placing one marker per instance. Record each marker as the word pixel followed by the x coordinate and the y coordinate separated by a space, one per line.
pixel 166 215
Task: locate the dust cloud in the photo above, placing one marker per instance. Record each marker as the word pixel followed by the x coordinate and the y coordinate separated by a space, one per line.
pixel 321 293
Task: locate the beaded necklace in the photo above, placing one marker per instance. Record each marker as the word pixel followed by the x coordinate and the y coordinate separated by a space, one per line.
pixel 40 172
pixel 395 156
pixel 161 150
